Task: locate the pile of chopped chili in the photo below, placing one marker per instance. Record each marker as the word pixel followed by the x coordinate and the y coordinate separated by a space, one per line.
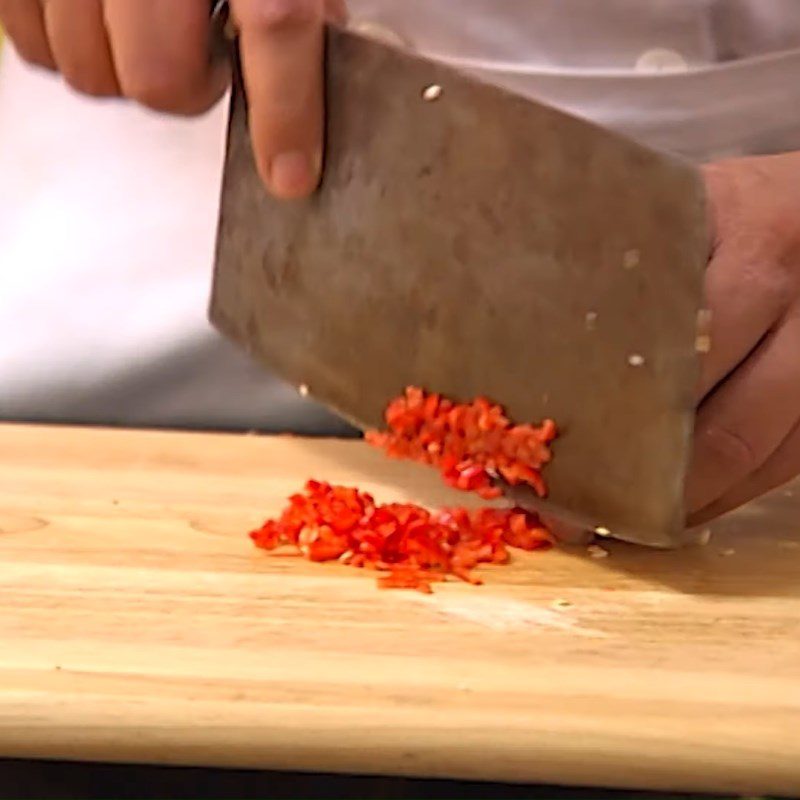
pixel 414 547
pixel 472 444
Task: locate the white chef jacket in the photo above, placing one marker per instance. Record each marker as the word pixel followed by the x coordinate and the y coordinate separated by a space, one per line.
pixel 108 212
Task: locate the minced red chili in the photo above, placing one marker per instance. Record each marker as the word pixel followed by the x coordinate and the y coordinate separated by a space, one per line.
pixel 413 546
pixel 472 444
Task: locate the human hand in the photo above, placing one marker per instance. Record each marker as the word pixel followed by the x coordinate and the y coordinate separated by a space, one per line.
pixel 747 438
pixel 156 52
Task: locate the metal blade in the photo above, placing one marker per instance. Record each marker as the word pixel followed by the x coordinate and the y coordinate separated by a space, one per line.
pixel 472 243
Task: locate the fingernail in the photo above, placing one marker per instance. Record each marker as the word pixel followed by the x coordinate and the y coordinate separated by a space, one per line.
pixel 294 174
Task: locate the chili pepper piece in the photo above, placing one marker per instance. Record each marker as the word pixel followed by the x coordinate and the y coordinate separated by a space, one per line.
pixel 470 443
pixel 415 546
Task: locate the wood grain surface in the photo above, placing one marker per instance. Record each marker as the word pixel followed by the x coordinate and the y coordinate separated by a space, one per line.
pixel 137 623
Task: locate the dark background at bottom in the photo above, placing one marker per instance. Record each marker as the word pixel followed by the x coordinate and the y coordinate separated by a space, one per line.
pixel 48 780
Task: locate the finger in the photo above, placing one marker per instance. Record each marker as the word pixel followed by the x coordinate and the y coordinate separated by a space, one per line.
pixel 282 45
pixel 79 43
pixel 780 468
pixel 336 11
pixel 745 420
pixel 745 287
pixel 24 23
pixel 161 54
pixel 745 299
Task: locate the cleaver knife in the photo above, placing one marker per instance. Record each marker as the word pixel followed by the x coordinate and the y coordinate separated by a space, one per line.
pixel 472 242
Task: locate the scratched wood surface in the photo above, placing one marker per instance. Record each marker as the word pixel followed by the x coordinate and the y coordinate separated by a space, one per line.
pixel 138 624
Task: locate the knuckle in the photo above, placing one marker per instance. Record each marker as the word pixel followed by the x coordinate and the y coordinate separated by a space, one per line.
pixel 275 16
pixel 336 11
pixel 160 87
pixel 747 268
pixel 90 83
pixel 728 450
pixel 772 281
pixel 35 57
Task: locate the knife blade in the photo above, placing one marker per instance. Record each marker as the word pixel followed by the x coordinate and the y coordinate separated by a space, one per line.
pixel 473 242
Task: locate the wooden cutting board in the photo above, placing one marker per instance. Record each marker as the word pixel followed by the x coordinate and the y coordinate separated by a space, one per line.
pixel 137 623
